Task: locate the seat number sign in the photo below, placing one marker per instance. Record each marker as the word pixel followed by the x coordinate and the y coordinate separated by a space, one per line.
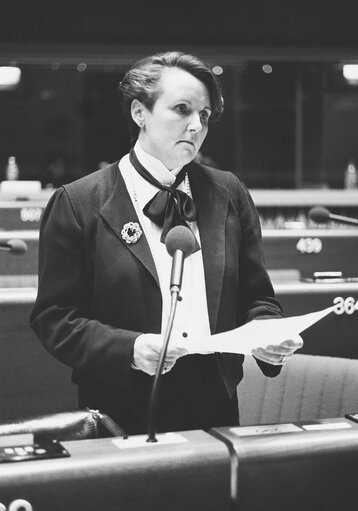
pixel 309 245
pixel 347 305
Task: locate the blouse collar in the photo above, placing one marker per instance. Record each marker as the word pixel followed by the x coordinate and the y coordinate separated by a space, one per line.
pixel 158 170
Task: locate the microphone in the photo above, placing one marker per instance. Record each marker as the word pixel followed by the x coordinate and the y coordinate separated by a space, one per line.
pixel 322 215
pixel 15 246
pixel 180 242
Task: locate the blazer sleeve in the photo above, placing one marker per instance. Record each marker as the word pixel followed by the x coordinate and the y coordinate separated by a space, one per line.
pixel 61 315
pixel 257 297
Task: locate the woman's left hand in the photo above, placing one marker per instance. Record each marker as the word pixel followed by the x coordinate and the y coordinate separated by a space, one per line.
pixel 279 354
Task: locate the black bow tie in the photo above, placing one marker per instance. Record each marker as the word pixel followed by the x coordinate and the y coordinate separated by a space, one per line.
pixel 169 207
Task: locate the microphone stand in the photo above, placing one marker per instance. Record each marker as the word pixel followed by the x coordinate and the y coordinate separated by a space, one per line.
pixel 180 242
pixel 152 414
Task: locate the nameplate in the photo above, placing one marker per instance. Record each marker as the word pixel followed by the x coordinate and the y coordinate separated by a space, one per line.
pixel 20 187
pixel 326 425
pixel 270 429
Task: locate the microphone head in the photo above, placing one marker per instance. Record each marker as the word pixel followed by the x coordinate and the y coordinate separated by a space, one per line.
pixel 17 246
pixel 180 238
pixel 319 215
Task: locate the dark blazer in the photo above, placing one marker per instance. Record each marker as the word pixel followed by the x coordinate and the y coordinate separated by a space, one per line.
pixel 97 294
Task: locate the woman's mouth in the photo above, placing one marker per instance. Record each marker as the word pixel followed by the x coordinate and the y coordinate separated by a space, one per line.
pixel 187 142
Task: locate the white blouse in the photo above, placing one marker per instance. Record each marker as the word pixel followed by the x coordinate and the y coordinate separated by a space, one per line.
pixel 191 319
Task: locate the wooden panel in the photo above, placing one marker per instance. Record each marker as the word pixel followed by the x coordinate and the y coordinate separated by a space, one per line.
pixel 21 214
pixel 313 250
pixel 336 334
pixel 23 264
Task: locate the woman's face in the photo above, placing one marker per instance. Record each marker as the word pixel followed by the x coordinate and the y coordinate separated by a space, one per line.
pixel 176 127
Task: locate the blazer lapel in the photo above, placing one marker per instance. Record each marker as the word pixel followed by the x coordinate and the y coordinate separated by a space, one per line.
pixel 212 206
pixel 119 210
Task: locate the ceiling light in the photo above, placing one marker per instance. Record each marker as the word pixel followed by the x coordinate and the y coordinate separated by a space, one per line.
pixel 9 77
pixel 350 72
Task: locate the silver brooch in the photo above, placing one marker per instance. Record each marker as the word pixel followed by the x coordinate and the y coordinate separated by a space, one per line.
pixel 131 232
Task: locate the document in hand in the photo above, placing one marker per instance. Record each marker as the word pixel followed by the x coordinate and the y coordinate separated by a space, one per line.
pixel 257 333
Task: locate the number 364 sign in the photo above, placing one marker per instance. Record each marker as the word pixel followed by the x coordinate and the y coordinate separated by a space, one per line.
pixel 345 305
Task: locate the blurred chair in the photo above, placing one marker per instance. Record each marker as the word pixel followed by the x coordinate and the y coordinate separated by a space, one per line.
pixel 309 387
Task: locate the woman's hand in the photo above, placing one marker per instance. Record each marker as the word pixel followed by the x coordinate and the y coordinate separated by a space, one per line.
pixel 279 354
pixel 146 354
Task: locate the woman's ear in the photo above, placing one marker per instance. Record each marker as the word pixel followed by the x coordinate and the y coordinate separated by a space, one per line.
pixel 137 112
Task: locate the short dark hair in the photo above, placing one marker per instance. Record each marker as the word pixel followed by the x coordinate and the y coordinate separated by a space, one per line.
pixel 141 82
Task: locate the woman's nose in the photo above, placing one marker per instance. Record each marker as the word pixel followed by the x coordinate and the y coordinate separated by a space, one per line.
pixel 195 123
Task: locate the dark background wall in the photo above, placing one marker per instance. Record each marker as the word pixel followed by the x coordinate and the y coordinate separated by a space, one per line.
pixel 278 130
pixel 243 22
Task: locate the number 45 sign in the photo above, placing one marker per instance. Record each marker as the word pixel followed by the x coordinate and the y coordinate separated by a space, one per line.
pixel 345 305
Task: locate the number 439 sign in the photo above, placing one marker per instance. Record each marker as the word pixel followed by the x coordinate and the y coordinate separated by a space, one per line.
pixel 345 305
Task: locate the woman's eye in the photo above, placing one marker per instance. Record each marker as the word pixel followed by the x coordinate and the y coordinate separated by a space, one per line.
pixel 181 109
pixel 204 115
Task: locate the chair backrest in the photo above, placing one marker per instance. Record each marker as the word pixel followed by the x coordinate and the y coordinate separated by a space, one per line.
pixel 309 387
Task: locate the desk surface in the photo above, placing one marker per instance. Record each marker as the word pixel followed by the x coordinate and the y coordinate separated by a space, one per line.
pixel 193 474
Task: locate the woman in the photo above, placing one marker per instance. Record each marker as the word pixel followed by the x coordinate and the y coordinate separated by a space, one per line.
pixel 103 296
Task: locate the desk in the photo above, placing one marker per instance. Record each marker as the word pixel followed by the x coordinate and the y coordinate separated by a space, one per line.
pixel 288 467
pixel 335 335
pixel 274 467
pixel 33 382
pixel 193 475
pixel 23 212
pixel 19 265
pixel 310 250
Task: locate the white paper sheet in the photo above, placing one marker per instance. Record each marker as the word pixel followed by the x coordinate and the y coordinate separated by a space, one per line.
pixel 255 334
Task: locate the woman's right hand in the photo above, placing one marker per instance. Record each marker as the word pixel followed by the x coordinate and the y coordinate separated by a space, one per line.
pixel 146 354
